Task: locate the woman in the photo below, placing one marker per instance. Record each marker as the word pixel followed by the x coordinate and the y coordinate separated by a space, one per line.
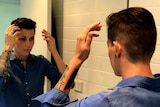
pixel 22 73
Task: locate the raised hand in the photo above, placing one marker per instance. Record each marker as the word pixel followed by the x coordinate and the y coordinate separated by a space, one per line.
pixel 81 54
pixel 51 44
pixel 49 39
pixel 84 41
pixel 10 35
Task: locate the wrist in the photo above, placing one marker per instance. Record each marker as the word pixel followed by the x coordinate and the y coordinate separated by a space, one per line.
pixel 70 84
pixel 75 63
pixel 54 52
pixel 7 48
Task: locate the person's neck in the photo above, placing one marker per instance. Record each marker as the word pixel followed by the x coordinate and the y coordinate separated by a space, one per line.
pixel 20 57
pixel 138 69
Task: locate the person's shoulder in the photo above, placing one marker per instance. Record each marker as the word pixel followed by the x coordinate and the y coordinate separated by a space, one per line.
pixel 40 56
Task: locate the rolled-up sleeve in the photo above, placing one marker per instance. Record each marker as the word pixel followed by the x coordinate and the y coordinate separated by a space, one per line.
pixel 54 97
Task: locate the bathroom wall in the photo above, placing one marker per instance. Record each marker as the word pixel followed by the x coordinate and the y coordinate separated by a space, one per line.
pixel 71 17
pixel 9 10
pixel 39 11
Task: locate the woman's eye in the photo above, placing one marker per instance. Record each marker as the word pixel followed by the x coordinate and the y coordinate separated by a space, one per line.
pixel 23 39
pixel 31 39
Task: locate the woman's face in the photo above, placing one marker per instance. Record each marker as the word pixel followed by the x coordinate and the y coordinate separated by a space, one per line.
pixel 24 42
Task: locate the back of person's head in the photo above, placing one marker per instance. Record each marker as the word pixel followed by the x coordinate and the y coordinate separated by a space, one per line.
pixel 24 23
pixel 135 29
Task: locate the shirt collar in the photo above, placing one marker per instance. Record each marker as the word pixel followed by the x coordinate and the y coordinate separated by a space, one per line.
pixel 30 57
pixel 141 81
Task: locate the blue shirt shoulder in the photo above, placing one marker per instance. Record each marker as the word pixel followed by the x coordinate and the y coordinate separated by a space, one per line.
pixel 137 91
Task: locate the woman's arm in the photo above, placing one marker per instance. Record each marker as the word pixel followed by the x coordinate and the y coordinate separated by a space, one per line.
pixel 10 35
pixel 52 48
pixel 81 54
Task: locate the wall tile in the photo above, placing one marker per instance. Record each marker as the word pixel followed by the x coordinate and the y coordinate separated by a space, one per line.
pixel 96 72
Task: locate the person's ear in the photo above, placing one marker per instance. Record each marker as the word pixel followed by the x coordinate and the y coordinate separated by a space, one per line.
pixel 118 48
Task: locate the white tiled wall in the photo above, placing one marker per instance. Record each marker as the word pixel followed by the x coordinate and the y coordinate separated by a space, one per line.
pixel 153 6
pixel 96 73
pixel 12 11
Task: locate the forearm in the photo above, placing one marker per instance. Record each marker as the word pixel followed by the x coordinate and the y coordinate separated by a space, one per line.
pixel 59 62
pixel 81 54
pixel 4 62
pixel 65 82
pixel 58 96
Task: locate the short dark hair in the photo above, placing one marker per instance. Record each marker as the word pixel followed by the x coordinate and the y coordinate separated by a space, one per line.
pixel 25 23
pixel 135 29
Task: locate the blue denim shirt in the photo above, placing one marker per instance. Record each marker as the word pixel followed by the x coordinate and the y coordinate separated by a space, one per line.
pixel 137 91
pixel 24 84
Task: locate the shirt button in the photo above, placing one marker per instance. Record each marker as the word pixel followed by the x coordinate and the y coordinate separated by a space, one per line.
pixel 27 93
pixel 28 105
pixel 26 83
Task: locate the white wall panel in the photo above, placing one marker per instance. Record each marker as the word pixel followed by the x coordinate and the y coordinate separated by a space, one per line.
pixel 39 11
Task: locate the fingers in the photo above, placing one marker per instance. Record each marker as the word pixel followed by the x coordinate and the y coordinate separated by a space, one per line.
pixel 45 33
pixel 49 40
pixel 12 29
pixel 93 27
pixel 47 36
pixel 86 35
pixel 84 41
pixel 96 26
pixel 89 38
pixel 10 35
